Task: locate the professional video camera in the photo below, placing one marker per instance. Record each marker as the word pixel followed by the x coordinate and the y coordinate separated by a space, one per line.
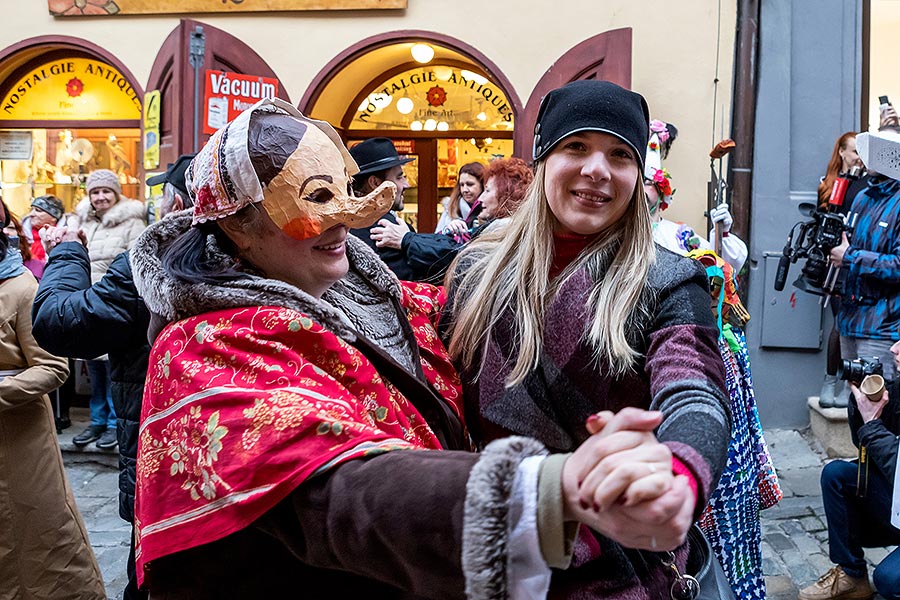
pixel 815 240
pixel 857 370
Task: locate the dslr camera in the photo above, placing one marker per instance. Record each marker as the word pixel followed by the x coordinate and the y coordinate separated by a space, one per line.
pixel 858 369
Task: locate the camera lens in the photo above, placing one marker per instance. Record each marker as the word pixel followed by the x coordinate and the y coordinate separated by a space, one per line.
pixel 850 370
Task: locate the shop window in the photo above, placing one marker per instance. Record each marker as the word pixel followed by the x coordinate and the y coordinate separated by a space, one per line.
pixel 60 161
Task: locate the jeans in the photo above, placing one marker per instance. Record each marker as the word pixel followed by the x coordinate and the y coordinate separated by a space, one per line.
pixel 854 523
pixel 102 412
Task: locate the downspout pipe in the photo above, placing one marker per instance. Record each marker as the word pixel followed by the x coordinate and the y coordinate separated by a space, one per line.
pixel 743 115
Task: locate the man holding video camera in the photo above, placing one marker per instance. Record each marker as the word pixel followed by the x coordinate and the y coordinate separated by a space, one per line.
pixel 869 317
pixel 857 495
pixel 857 498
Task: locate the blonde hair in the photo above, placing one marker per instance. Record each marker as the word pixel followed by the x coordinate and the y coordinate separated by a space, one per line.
pixel 508 274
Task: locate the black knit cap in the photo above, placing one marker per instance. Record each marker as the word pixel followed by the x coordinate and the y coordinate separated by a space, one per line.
pixel 592 106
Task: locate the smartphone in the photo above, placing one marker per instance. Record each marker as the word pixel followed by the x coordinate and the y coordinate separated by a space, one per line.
pixel 883 101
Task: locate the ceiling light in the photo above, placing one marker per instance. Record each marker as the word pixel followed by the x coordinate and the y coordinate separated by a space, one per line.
pixel 422 53
pixel 481 116
pixel 416 125
pixel 405 105
pixel 488 141
pixel 443 73
pixel 479 79
pixel 443 126
pixel 430 125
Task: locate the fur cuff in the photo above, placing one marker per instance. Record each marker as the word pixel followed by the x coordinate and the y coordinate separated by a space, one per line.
pixel 486 517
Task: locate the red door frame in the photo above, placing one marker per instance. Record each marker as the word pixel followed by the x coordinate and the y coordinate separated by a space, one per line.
pixel 173 76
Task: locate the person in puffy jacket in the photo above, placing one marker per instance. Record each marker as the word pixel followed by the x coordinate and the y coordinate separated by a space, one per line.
pixel 110 223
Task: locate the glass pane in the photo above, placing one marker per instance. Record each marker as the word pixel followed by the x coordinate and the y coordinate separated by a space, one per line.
pixel 454 153
pixel 61 160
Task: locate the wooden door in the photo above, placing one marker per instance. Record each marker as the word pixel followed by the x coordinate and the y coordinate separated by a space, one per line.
pixel 173 76
pixel 606 56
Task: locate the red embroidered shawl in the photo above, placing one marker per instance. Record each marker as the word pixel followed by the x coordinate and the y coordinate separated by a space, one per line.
pixel 242 405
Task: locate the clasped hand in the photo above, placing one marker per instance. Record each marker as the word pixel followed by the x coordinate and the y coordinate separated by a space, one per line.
pixel 52 236
pixel 620 483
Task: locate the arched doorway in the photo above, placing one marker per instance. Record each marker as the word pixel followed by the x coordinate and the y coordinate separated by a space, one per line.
pixel 446 108
pixel 67 107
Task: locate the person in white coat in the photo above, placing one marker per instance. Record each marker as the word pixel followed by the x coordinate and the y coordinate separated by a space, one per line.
pixel 110 224
pixel 681 237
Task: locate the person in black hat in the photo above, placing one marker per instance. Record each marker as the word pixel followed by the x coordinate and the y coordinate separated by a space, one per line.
pixel 378 162
pixel 76 319
pixel 571 311
pixel 175 194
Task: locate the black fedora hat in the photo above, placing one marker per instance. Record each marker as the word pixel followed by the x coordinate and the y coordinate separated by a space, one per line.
pixel 175 175
pixel 376 154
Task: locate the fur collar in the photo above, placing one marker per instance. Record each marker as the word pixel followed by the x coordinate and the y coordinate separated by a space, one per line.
pixel 175 299
pixel 123 210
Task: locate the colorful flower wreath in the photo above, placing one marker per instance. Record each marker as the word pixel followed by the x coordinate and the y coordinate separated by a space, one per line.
pixel 659 128
pixel 663 183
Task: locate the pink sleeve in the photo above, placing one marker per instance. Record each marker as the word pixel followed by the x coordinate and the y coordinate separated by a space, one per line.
pixel 679 468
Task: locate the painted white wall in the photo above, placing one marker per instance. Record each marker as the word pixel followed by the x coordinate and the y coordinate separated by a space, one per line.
pixel 674 52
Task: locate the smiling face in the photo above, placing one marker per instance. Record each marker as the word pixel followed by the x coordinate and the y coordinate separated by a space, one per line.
pixel 40 218
pixel 590 179
pixel 313 264
pixel 102 199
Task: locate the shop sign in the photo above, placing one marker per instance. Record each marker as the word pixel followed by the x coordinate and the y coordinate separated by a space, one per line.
pixel 405 146
pixel 71 89
pixel 460 99
pixel 16 145
pixel 151 129
pixel 103 8
pixel 229 94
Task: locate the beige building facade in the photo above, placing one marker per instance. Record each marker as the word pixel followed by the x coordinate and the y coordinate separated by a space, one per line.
pixel 491 60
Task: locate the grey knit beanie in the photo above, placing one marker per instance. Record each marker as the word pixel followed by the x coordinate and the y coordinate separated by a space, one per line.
pixel 103 178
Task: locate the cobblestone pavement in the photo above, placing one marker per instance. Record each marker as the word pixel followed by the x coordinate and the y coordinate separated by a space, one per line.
pixel 795 544
pixel 795 539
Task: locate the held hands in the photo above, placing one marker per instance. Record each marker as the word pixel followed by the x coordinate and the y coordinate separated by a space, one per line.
pixel 620 483
pixel 389 235
pixel 837 253
pixel 868 410
pixel 53 236
pixel 721 214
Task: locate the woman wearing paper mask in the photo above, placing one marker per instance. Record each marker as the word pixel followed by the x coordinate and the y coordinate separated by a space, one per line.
pixel 300 414
pixel 680 237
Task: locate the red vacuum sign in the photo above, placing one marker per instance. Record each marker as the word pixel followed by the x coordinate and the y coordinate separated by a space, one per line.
pixel 229 94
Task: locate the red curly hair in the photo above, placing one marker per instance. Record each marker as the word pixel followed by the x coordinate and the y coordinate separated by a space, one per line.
pixel 834 168
pixel 511 176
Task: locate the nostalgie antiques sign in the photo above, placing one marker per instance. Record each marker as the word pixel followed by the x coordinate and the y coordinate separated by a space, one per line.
pixel 229 94
pixel 94 8
pixel 77 89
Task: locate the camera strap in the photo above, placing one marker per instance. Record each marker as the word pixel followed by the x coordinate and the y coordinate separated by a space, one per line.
pixel 862 472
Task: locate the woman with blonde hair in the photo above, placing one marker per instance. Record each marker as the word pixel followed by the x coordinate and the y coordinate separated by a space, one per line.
pixel 571 310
